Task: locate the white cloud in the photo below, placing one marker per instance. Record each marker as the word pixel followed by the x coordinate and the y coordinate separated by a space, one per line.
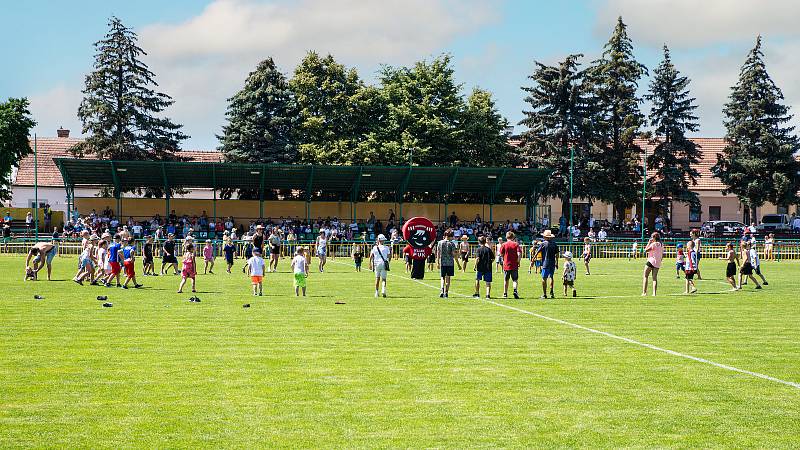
pixel 57 107
pixel 693 23
pixel 205 59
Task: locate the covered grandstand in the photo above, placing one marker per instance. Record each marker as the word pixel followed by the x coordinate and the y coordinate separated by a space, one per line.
pixel 495 185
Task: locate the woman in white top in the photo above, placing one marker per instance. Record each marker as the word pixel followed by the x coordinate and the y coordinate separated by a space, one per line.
pixel 696 240
pixel 655 253
pixel 769 241
pixel 322 249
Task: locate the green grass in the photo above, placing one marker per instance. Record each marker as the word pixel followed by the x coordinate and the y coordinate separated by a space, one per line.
pixel 408 371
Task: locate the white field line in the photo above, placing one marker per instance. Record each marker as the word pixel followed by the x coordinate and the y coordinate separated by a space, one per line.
pixel 614 336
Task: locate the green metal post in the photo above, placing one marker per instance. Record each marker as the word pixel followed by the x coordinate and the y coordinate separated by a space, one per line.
pixel 261 194
pixel 36 185
pixel 571 164
pixel 214 181
pixel 166 189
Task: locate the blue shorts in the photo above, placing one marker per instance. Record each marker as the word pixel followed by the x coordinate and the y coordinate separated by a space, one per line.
pixel 52 255
pixel 447 271
pixel 537 263
pixel 548 272
pixel 485 276
pixel 679 266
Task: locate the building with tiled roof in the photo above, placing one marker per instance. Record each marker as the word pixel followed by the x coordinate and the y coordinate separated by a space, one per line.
pixel 50 184
pixel 713 204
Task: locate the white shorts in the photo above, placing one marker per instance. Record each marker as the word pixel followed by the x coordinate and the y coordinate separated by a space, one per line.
pixel 380 271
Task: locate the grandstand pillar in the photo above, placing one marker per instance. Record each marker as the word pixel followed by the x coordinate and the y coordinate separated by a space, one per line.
pixel 491 212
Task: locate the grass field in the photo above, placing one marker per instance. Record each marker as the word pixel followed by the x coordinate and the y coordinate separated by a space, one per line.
pixel 411 370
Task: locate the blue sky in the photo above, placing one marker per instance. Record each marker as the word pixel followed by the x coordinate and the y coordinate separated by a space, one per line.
pixel 201 51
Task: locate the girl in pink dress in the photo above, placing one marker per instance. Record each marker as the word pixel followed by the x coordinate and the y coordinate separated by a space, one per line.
pixel 655 253
pixel 189 269
pixel 208 257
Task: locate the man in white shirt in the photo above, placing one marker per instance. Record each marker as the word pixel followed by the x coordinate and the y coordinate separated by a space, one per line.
pixel 602 235
pixel 379 259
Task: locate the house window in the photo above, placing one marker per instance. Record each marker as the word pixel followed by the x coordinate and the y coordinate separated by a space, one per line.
pixel 714 213
pixel 695 213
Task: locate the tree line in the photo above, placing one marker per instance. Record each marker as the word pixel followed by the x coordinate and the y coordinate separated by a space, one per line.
pixel 581 119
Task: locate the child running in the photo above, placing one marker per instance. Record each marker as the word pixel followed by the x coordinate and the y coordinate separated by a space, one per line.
pixel 358 255
pixel 691 268
pixel 680 261
pixel 128 260
pixel 255 268
pixel 570 271
pixel 147 258
pixel 189 270
pixel 300 270
pixel 208 257
pixel 746 271
pixel 229 249
pixel 587 253
pixel 114 264
pixel 730 270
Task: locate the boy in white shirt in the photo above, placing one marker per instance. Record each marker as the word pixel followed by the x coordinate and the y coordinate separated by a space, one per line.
pixel 255 268
pixel 570 271
pixel 300 269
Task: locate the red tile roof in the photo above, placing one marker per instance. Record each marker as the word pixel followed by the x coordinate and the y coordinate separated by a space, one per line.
pixel 49 148
pixel 709 147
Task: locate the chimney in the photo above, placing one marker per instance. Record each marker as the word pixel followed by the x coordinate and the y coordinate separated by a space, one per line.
pixel 62 133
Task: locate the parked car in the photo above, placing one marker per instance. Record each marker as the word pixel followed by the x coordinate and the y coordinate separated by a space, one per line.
pixel 775 222
pixel 721 227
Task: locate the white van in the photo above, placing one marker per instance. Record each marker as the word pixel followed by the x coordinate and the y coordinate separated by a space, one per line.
pixel 775 222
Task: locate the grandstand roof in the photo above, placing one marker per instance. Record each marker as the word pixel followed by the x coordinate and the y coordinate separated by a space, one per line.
pixel 351 180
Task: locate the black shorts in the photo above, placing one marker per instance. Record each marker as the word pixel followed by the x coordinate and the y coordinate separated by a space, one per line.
pixel 730 271
pixel 447 271
pixel 275 249
pixel 747 269
pixel 465 257
pixel 690 274
pixel 169 259
pixel 650 265
pixel 147 259
pixel 432 258
pixel 513 274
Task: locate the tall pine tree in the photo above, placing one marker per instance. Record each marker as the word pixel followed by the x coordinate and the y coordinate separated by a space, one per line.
pixel 120 107
pixel 758 163
pixel 674 156
pixel 556 122
pixel 261 119
pixel 15 126
pixel 616 164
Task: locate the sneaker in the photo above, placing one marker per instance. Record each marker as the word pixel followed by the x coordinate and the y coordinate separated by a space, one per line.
pixel 78 281
pixel 384 295
pixel 574 293
pixel 505 294
pixel 137 286
pixel 758 287
pixel 441 294
pixel 766 283
pixel 376 294
pixel 542 297
pixel 124 287
pixel 488 297
pixel 516 295
pixel 446 294
pixel 476 296
pixel 552 295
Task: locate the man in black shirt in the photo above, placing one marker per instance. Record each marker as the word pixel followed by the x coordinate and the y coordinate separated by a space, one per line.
pixel 549 251
pixel 483 268
pixel 168 257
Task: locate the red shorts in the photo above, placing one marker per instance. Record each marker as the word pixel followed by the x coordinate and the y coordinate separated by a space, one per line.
pixel 130 270
pixel 185 273
pixel 115 268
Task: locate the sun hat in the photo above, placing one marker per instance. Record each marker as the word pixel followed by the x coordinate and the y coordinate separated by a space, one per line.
pixel 547 234
pixel 568 254
pixel 381 237
pixel 256 250
pixel 464 237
